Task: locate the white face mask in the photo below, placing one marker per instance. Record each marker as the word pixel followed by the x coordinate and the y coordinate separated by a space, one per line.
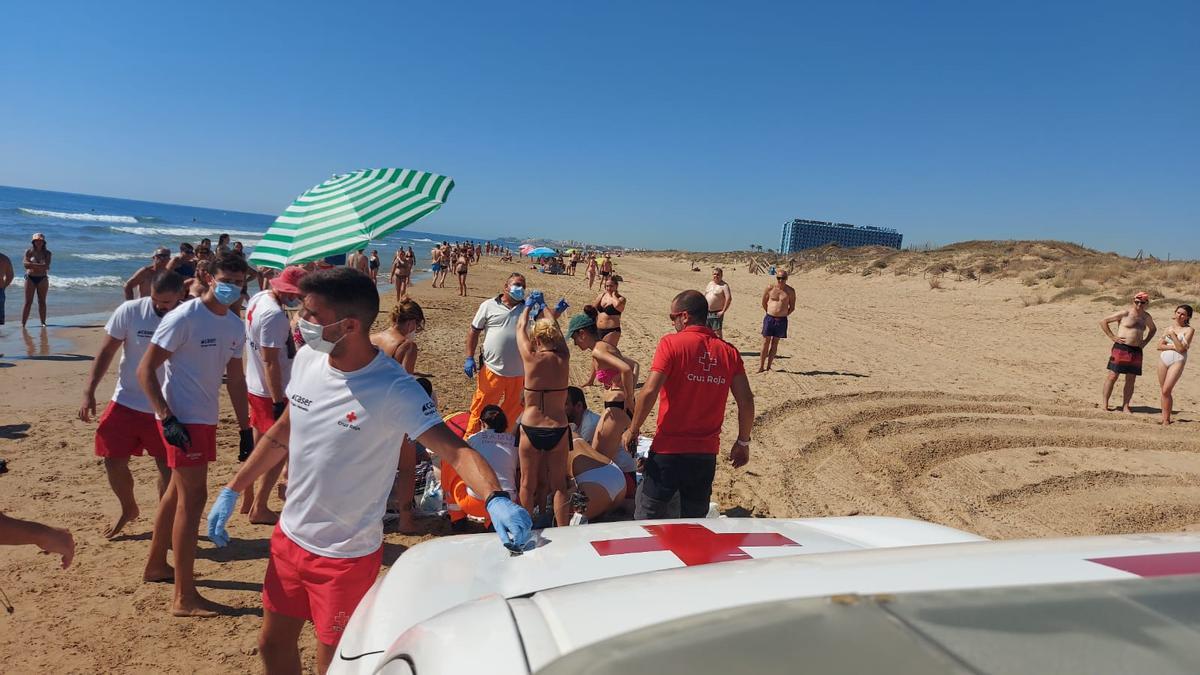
pixel 314 335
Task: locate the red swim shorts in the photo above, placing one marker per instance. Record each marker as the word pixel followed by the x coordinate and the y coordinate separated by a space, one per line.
pixel 202 451
pixel 262 413
pixel 125 432
pixel 323 590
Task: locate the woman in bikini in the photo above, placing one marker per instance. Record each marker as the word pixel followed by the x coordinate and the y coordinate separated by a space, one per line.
pixel 618 375
pixel 396 341
pixel 400 274
pixel 543 435
pixel 599 479
pixel 591 270
pixel 1172 356
pixel 37 277
pixel 610 304
pixel 460 268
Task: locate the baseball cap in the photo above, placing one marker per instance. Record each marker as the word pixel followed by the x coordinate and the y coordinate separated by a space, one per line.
pixel 162 252
pixel 289 280
pixel 579 322
pixel 1143 296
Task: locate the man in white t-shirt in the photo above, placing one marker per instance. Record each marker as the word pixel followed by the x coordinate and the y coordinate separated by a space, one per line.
pixel 127 426
pixel 269 353
pixel 502 374
pixel 198 342
pixel 350 407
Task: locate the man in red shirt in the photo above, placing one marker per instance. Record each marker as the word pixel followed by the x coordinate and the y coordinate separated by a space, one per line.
pixel 693 373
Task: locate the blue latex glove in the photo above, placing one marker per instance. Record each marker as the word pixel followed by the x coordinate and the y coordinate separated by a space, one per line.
pixel 561 306
pixel 222 509
pixel 469 367
pixel 512 522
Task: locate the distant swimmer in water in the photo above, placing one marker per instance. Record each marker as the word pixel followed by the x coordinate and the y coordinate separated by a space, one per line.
pixel 37 277
pixel 1172 356
pixel 1135 329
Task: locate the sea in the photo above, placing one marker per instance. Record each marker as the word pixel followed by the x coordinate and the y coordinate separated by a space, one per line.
pixel 98 242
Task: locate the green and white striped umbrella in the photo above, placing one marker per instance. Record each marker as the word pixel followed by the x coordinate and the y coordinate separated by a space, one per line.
pixel 346 212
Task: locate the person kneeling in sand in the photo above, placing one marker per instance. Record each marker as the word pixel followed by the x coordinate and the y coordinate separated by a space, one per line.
pixel 1126 355
pixel 600 480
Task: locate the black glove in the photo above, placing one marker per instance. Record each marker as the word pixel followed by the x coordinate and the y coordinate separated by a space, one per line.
pixel 245 444
pixel 278 407
pixel 176 434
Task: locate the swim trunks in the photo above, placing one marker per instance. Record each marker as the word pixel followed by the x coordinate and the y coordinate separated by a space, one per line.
pixel 304 585
pixel 1125 359
pixel 774 326
pixel 437 267
pixel 715 321
pixel 124 432
pixel 203 446
pixel 262 413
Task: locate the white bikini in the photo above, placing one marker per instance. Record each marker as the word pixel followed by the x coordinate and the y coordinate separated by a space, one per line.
pixel 607 476
pixel 1169 356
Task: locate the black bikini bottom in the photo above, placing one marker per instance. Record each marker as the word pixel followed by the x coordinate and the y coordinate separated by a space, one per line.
pixel 544 438
pixel 619 405
pixel 35 280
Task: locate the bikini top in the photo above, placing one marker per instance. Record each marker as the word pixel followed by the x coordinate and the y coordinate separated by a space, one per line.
pixel 606 376
pixel 610 310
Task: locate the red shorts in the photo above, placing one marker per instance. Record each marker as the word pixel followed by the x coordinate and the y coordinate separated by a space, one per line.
pixel 203 450
pixel 125 432
pixel 262 413
pixel 323 590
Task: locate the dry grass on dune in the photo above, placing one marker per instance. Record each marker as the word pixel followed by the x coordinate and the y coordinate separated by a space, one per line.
pixel 1054 271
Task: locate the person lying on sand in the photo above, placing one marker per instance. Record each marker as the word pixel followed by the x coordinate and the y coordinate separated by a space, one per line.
pixel 1135 328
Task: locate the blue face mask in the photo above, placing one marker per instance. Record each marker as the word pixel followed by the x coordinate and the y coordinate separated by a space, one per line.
pixel 227 293
pixel 516 292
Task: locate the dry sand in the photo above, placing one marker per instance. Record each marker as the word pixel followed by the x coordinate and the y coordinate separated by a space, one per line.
pixel 960 406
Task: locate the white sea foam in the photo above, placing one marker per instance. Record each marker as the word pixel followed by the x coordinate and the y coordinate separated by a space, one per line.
pixel 79 282
pixel 105 257
pixel 184 232
pixel 423 239
pixel 97 217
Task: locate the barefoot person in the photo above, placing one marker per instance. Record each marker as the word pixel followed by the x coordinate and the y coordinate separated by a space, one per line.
pixel 198 342
pixel 543 437
pixel 778 301
pixel 140 281
pixel 52 540
pixel 269 354
pixel 719 297
pixel 692 375
pixel 401 272
pixel 128 427
pixel 373 265
pixel 1172 356
pixel 350 407
pixel 6 279
pixel 461 263
pixel 501 375
pixel 37 277
pixel 1135 329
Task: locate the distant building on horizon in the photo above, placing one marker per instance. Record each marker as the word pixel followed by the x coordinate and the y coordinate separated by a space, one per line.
pixel 800 234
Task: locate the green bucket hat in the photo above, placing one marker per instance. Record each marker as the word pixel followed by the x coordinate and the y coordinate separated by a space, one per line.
pixel 579 322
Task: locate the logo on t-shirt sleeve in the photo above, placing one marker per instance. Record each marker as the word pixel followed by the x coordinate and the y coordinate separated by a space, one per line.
pixel 428 409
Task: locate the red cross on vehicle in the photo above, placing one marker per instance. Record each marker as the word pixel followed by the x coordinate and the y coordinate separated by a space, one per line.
pixel 692 543
pixel 707 361
pixel 350 417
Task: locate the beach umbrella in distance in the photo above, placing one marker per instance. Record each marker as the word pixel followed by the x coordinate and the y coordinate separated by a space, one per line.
pixel 347 211
pixel 541 252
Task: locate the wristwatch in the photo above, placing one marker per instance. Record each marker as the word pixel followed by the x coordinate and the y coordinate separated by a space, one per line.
pixel 744 444
pixel 497 493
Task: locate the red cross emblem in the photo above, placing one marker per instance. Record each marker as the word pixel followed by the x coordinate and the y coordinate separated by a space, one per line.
pixel 692 543
pixel 707 361
pixel 350 417
pixel 1154 564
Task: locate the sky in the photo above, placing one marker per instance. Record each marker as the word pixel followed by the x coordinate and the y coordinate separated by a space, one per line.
pixel 699 125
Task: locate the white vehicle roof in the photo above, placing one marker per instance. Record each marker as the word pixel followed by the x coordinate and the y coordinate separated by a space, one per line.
pixel 460 602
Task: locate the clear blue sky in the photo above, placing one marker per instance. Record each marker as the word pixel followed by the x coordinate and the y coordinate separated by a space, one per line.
pixel 689 124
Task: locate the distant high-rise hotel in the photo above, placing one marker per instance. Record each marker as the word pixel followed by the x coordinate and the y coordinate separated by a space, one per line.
pixel 801 234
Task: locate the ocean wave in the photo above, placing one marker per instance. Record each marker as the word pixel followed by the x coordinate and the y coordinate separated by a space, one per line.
pixel 67 215
pixel 209 232
pixel 430 241
pixel 110 256
pixel 102 281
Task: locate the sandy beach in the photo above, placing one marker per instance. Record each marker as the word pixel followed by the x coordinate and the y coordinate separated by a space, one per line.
pixel 963 405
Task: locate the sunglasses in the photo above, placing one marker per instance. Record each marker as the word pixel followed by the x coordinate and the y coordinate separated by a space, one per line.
pixel 1140 302
pixel 675 315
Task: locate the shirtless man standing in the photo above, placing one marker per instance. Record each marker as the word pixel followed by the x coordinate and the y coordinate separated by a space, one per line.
pixel 719 297
pixel 1126 356
pixel 358 261
pixel 141 278
pixel 778 301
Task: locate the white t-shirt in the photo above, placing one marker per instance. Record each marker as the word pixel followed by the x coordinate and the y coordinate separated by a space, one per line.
pixel 201 344
pixel 500 451
pixel 344 447
pixel 266 326
pixel 134 323
pixel 500 352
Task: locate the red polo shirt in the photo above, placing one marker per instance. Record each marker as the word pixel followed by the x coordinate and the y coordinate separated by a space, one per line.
pixel 700 368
